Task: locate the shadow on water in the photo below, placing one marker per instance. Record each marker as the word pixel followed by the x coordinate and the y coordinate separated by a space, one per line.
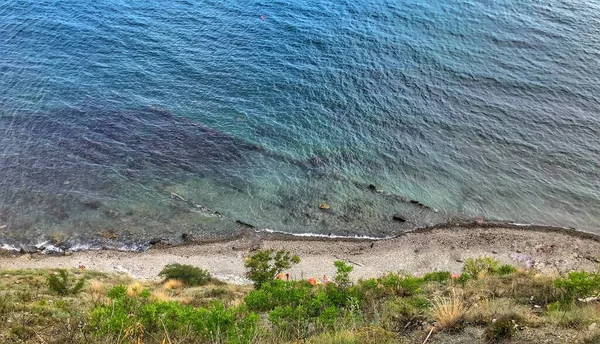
pixel 97 175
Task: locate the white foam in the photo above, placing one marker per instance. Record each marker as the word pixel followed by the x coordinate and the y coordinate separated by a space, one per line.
pixel 331 236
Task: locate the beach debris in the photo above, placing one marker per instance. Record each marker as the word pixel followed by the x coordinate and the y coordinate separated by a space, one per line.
pixel 399 218
pixel 81 267
pixel 262 17
pixel 324 206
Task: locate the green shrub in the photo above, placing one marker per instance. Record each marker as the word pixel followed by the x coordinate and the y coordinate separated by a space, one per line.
pixel 475 267
pixel 61 284
pixel 502 329
pixel 398 285
pixel 342 274
pixel 437 276
pixel 464 278
pixel 579 284
pixel 190 275
pixel 264 265
pixel 506 270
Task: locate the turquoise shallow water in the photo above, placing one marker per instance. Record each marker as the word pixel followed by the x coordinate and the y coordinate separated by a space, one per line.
pixel 142 119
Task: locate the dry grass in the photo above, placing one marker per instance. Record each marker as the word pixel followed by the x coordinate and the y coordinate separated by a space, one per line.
pixel 577 317
pixel 134 289
pixel 449 312
pixel 173 284
pixel 160 296
pixel 483 312
pixel 97 291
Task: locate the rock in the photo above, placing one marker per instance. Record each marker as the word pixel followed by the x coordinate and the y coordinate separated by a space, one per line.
pixel 494 252
pixel 592 326
pixel 239 222
pixel 155 241
pixel 372 187
pixel 399 218
pixel 29 249
pixel 324 206
pixel 186 237
pixel 414 201
pixel 92 204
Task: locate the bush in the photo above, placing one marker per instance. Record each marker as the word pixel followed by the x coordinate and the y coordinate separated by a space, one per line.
pixel 404 314
pixel 264 265
pixel 501 329
pixel 476 267
pixel 437 276
pixel 342 274
pixel 401 285
pixel 579 284
pixel 506 270
pixel 189 275
pixel 60 283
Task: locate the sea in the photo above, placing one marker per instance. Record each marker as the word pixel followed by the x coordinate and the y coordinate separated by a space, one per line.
pixel 129 122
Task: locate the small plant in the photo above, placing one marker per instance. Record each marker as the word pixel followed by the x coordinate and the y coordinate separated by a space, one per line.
pixel 477 267
pixel 501 329
pixel 342 274
pixel 449 312
pixel 189 275
pixel 506 270
pixel 60 283
pixel 264 265
pixel 437 276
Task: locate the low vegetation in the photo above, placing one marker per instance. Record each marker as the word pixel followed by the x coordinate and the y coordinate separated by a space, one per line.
pixel 487 303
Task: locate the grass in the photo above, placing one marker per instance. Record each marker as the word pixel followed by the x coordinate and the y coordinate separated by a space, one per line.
pixel 448 312
pixel 500 305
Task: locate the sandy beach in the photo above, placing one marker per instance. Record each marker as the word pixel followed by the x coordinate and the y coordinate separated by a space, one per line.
pixel 550 250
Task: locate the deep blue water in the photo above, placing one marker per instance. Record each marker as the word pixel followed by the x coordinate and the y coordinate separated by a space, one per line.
pixel 136 119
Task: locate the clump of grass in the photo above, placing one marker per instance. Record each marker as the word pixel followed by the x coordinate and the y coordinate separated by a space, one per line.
pixel 134 289
pixel 571 316
pixel 97 291
pixel 173 284
pixel 449 312
pixel 60 283
pixel 478 267
pixel 187 274
pixel 160 296
pixel 501 329
pixel 340 337
pixel 482 312
pixel 404 314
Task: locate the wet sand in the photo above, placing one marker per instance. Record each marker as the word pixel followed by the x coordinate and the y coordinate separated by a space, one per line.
pixel 550 250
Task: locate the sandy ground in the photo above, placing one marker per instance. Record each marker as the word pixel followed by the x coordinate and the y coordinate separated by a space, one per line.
pixel 416 253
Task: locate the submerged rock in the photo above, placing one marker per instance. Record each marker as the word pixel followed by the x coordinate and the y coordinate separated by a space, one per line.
pixel 399 218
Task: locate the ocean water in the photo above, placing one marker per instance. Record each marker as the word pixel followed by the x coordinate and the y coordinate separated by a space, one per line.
pixel 122 121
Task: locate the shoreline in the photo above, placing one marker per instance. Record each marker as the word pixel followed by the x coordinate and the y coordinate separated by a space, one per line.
pixel 442 247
